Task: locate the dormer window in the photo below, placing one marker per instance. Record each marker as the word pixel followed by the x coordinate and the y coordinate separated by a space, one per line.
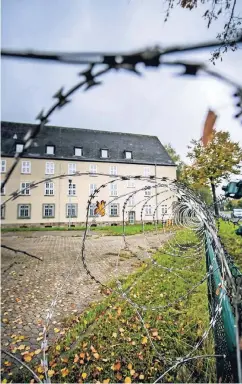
pixel 19 148
pixel 128 154
pixel 78 151
pixel 104 153
pixel 50 149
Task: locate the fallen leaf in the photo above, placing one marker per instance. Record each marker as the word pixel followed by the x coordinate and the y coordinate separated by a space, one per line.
pixel 130 366
pixel 21 347
pixel 121 330
pixel 119 376
pixel 18 300
pixel 64 372
pixel 40 369
pixel 132 372
pixel 127 380
pixel 119 311
pixel 51 372
pixel 82 355
pixel 58 348
pixel 144 340
pixel 106 381
pixel 117 366
pixel 141 377
pixel 37 351
pixel 96 355
pixel 76 359
pixel 7 363
pixel 64 359
pixel 27 357
pixel 155 333
pixel 115 334
pixel 84 375
pixel 39 338
pixel 56 330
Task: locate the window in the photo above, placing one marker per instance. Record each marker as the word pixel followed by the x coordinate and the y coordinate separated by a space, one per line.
pixel 93 169
pixel 147 171
pixel 71 210
pixel 71 168
pixel 148 210
pixel 131 201
pixel 164 209
pixel 113 170
pixel 49 168
pixel 128 154
pixel 3 209
pixel 104 153
pixel 26 167
pixel 49 188
pixel 113 189
pixel 19 148
pixel 50 149
pixel 71 189
pixel 3 191
pixel 131 184
pixel 3 166
pixel 24 211
pixel 92 208
pixel 147 192
pixel 93 187
pixel 48 210
pixel 114 210
pixel 24 188
pixel 78 151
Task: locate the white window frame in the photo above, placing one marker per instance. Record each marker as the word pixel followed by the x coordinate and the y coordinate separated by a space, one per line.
pixel 130 184
pixel 148 210
pixel 113 170
pixel 20 207
pixel 147 192
pixel 146 171
pixel 69 207
pixel 26 167
pixel 49 188
pixel 92 208
pixel 164 209
pixel 131 201
pixel 112 207
pixel 3 191
pixel 128 155
pixel 25 188
pixel 19 148
pixel 93 169
pixel 113 189
pixel 78 151
pixel 48 207
pixel 104 152
pixel 3 166
pixel 92 188
pixel 71 189
pixel 71 168
pixel 50 149
pixel 49 168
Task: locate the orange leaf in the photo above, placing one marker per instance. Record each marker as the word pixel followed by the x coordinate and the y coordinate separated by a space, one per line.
pixel 76 359
pixel 117 366
pixel 64 372
pixel 27 357
pixel 64 359
pixel 51 372
pixel 7 363
pixel 93 349
pixel 96 355
pixel 82 355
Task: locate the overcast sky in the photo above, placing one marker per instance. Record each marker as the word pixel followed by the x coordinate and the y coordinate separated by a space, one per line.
pixel 160 103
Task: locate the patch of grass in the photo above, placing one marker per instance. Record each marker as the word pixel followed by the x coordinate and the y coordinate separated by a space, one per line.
pixel 108 342
pixel 231 241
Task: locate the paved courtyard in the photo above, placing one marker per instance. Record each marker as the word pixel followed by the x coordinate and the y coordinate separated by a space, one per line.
pixel 30 285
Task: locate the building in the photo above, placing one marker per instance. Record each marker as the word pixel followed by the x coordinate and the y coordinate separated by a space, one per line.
pixel 71 152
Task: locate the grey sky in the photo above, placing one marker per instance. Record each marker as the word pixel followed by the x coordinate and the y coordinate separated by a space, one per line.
pixel 159 103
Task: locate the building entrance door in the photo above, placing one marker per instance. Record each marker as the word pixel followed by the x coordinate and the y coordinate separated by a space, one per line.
pixel 131 217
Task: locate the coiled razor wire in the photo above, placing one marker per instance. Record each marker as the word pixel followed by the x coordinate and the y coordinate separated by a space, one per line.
pixel 188 213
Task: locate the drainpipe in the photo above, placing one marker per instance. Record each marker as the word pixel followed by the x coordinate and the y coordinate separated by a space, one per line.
pixel 156 197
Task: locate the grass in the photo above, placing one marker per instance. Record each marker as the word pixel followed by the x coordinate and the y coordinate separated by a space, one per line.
pixel 108 342
pixel 231 241
pixel 107 230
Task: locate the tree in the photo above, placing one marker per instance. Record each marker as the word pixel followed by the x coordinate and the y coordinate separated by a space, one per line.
pixel 202 191
pixel 215 9
pixel 213 163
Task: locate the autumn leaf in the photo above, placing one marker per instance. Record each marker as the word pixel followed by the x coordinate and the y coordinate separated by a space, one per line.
pixel 130 366
pixel 27 357
pixel 76 359
pixel 21 347
pixel 40 369
pixel 127 380
pixel 119 311
pixel 116 366
pixel 7 363
pixel 64 359
pixel 58 348
pixel 18 300
pixel 93 349
pixel 51 372
pixel 141 377
pixel 64 372
pixel 132 372
pixel 155 333
pixel 82 355
pixel 39 338
pixel 96 355
pixel 144 340
pixel 84 375
pixel 56 330
pixel 119 376
pixel 114 335
pixel 106 381
pixel 37 351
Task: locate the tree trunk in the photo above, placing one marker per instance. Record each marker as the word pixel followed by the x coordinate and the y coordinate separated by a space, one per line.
pixel 215 203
